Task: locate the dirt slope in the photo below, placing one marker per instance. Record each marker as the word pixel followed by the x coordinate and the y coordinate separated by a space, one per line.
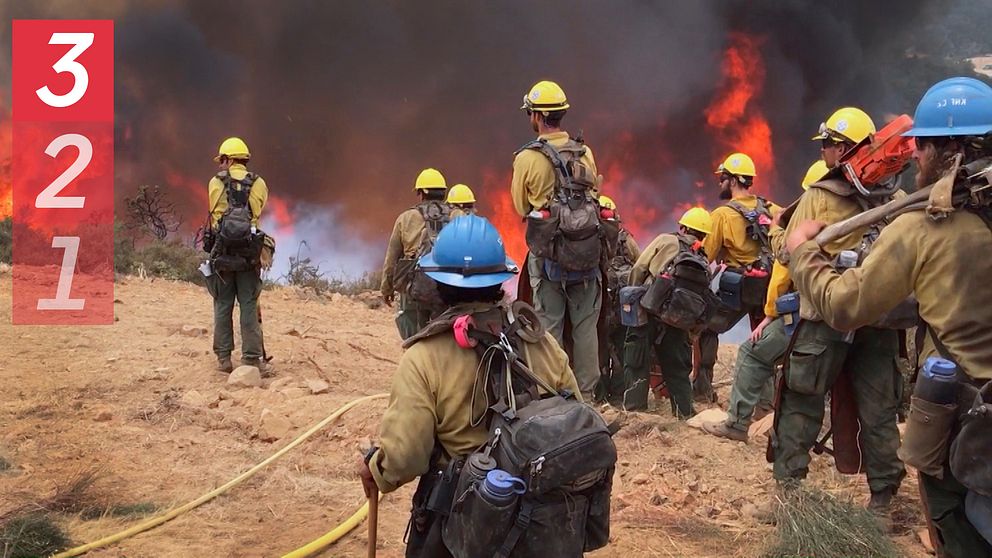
pixel 140 401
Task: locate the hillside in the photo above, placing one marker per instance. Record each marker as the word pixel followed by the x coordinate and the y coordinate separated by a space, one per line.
pixel 139 401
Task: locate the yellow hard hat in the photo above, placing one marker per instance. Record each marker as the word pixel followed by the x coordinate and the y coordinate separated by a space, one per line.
pixel 460 193
pixel 816 171
pixel 697 219
pixel 846 124
pixel 430 179
pixel 737 164
pixel 233 148
pixel 545 96
pixel 607 202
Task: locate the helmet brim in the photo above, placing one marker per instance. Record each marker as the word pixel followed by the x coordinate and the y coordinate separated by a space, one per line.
pixel 945 131
pixel 476 281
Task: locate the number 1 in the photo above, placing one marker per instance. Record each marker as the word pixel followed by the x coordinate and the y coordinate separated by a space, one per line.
pixel 62 300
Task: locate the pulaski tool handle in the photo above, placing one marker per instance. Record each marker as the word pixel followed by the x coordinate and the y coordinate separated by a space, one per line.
pixel 915 201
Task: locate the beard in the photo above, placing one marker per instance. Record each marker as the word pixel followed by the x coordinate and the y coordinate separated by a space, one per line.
pixel 726 194
pixel 932 167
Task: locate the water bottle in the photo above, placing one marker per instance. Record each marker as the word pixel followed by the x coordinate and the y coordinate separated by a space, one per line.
pixel 937 382
pixel 787 307
pixel 476 467
pixel 500 488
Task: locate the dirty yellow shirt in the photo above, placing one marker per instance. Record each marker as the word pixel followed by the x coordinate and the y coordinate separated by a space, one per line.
pixel 461 212
pixel 655 258
pixel 820 205
pixel 779 284
pixel 729 242
pixel 217 198
pixel 945 264
pixel 403 242
pixel 534 181
pixel 431 398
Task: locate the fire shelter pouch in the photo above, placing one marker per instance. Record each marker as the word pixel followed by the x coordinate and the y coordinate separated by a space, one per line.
pixel 928 434
pixel 685 310
pixel 632 314
pixel 970 451
pixel 657 294
pixel 730 289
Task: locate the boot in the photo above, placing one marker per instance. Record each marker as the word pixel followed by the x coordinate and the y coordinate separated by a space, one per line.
pixel 224 365
pixel 265 370
pixel 881 501
pixel 724 430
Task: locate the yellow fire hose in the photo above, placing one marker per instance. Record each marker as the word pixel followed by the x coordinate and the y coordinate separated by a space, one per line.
pixel 172 514
pixel 332 536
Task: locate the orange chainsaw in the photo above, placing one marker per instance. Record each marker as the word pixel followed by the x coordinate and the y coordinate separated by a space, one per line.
pixel 879 157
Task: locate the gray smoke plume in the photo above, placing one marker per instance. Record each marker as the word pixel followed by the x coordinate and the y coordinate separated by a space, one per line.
pixel 343 103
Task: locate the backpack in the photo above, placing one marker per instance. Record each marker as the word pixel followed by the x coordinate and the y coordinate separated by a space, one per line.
pixel 561 449
pixel 420 287
pixel 753 283
pixel 680 296
pixel 618 277
pixel 236 246
pixel 571 233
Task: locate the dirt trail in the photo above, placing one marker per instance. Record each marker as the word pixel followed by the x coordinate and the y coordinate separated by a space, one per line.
pixel 140 401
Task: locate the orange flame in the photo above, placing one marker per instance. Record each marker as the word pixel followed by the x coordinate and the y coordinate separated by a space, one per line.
pixel 498 208
pixel 734 117
pixel 6 148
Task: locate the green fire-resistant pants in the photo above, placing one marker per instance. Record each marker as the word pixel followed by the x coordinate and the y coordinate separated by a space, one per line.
pixel 244 287
pixel 581 301
pixel 674 353
pixel 709 345
pixel 611 383
pixel 818 356
pixel 753 379
pixel 411 317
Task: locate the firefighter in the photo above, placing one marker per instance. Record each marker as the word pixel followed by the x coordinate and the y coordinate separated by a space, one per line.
pixel 733 244
pixel 462 201
pixel 751 394
pixel 821 353
pixel 672 347
pixel 940 261
pixel 625 253
pixel 431 416
pixel 559 294
pixel 237 198
pixel 412 233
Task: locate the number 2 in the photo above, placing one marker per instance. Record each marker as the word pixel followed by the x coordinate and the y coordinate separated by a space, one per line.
pixel 67 63
pixel 49 197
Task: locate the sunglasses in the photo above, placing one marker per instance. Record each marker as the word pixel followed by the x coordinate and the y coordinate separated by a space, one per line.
pixel 827 143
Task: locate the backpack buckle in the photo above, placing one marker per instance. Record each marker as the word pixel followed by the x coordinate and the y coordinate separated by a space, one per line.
pixel 460 329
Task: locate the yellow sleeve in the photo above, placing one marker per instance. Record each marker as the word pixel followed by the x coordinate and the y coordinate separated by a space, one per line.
pixel 776 240
pixel 215 189
pixel 778 285
pixel 256 198
pixel 394 251
pixel 860 295
pixel 713 243
pixel 523 174
pixel 406 436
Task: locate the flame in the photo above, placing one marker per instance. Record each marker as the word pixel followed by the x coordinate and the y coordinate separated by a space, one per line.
pixel 6 148
pixel 734 117
pixel 277 217
pixel 498 208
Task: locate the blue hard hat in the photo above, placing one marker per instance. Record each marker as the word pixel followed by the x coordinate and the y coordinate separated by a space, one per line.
pixel 959 106
pixel 468 253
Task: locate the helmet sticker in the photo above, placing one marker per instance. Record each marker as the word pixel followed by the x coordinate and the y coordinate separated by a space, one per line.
pixel 841 125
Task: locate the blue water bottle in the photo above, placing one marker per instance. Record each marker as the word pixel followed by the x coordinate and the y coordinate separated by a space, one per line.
pixel 500 488
pixel 937 382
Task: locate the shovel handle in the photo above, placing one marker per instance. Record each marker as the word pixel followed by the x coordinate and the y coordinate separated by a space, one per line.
pixel 373 522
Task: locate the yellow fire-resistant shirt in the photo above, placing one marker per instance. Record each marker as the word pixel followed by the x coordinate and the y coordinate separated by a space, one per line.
pixel 729 242
pixel 431 398
pixel 656 257
pixel 821 205
pixel 534 181
pixel 779 284
pixel 403 242
pixel 217 197
pixel 945 264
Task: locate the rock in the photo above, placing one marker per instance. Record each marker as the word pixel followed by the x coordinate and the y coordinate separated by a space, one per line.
pixel 193 331
pixel 337 297
pixel 693 485
pixel 279 383
pixel 318 386
pixel 641 478
pixel 103 415
pixel 245 376
pixel 709 415
pixel 4 268
pixel 193 398
pixel 658 499
pixel 272 427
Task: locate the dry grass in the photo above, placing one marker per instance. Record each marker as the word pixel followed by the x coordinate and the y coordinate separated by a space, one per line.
pixel 812 522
